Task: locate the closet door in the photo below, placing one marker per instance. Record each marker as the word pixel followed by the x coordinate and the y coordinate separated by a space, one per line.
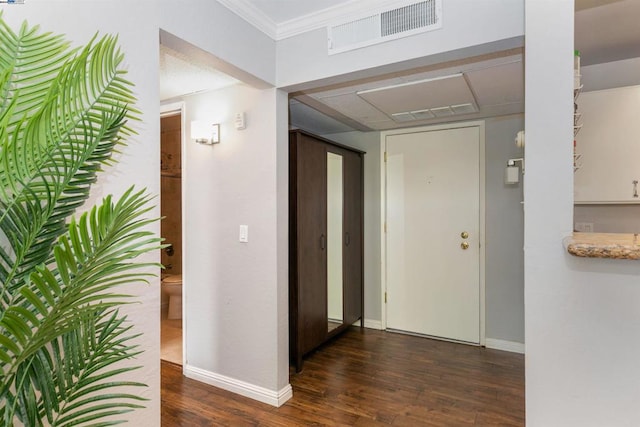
pixel 353 237
pixel 312 243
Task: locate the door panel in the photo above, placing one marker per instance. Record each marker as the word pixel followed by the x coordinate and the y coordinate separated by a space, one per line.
pixel 353 237
pixel 433 196
pixel 312 255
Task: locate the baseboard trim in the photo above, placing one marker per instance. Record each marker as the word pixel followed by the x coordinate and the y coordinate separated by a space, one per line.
pixel 371 324
pixel 252 391
pixel 512 346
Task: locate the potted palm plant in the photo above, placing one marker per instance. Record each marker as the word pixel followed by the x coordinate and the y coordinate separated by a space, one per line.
pixel 63 113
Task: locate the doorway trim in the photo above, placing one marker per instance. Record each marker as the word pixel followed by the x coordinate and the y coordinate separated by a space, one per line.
pixel 480 124
pixel 168 110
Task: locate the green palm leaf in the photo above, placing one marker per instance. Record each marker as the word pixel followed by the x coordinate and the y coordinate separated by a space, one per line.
pixel 63 113
pixel 63 321
pixel 52 150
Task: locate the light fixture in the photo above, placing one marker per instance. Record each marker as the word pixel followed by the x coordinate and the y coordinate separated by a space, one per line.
pixel 205 132
pixel 512 172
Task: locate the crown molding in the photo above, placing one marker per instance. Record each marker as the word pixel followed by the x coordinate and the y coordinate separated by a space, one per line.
pixel 324 17
pixel 319 19
pixel 312 21
pixel 252 15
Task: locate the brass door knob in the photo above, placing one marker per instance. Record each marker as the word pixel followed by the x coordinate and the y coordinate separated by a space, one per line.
pixel 464 235
pixel 464 245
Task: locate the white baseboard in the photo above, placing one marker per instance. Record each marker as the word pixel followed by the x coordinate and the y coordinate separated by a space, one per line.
pixel 371 324
pixel 512 346
pixel 252 391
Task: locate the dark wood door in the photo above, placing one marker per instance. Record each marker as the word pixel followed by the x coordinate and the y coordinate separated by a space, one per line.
pixel 353 237
pixel 312 241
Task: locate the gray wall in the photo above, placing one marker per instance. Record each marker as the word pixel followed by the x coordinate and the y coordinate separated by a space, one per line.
pixel 504 228
pixel 504 233
pixel 609 218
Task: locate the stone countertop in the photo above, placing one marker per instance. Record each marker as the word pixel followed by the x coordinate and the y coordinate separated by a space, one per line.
pixel 604 245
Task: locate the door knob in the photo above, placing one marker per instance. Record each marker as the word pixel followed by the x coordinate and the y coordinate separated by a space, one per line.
pixel 464 235
pixel 464 245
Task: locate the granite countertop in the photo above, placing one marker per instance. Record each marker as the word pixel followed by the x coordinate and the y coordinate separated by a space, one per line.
pixel 604 245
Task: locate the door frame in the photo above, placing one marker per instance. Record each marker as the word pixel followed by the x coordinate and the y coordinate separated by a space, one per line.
pixel 480 124
pixel 167 110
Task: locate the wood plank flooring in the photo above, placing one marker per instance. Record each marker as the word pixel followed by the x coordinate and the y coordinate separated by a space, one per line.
pixel 368 378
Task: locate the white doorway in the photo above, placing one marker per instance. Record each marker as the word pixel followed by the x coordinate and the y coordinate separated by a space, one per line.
pixel 433 249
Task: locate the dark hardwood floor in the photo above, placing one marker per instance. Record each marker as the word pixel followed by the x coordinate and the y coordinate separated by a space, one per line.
pixel 369 378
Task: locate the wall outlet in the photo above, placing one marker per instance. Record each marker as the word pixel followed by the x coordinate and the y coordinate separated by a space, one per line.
pixel 584 227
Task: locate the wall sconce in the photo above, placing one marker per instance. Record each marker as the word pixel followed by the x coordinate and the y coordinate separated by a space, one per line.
pixel 512 172
pixel 205 132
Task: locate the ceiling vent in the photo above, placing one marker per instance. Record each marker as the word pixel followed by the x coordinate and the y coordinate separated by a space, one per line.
pixel 388 24
pixel 443 96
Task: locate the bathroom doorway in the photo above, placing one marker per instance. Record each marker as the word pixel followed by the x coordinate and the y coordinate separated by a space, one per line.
pixel 171 231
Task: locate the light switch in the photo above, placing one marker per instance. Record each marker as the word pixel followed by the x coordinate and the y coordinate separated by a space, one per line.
pixel 244 233
pixel 240 121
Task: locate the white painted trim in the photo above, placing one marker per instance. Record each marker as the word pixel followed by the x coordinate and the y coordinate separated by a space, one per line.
pixel 312 21
pixel 383 237
pixel 341 12
pixel 168 110
pixel 483 233
pixel 512 346
pixel 253 15
pixel 371 324
pixel 172 109
pixel 184 172
pixel 383 214
pixel 252 391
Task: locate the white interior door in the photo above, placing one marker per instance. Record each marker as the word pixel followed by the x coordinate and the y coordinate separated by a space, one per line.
pixel 432 199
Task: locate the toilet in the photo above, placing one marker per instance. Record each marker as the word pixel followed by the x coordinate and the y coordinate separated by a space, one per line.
pixel 172 286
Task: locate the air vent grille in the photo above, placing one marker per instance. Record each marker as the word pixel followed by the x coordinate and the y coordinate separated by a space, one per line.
pixel 390 24
pixel 408 18
pixel 357 32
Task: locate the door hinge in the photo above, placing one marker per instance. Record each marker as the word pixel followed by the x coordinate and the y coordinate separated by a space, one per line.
pixel 385 297
pixel 385 227
pixel 385 157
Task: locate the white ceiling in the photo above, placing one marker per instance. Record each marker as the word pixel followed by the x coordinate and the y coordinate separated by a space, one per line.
pixel 494 85
pixel 606 30
pixel 607 33
pixel 280 11
pixel 183 75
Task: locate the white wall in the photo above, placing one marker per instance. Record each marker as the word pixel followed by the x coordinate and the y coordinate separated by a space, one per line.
pixel 238 46
pixel 504 226
pixel 470 27
pixel 253 289
pixel 232 289
pixel 139 164
pixel 581 315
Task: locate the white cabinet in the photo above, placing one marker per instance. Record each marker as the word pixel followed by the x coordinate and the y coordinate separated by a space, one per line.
pixel 609 147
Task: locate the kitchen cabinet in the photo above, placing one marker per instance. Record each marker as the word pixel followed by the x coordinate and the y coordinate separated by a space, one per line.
pixel 609 147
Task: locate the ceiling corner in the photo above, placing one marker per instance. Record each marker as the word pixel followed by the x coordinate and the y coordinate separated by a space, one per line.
pixel 253 15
